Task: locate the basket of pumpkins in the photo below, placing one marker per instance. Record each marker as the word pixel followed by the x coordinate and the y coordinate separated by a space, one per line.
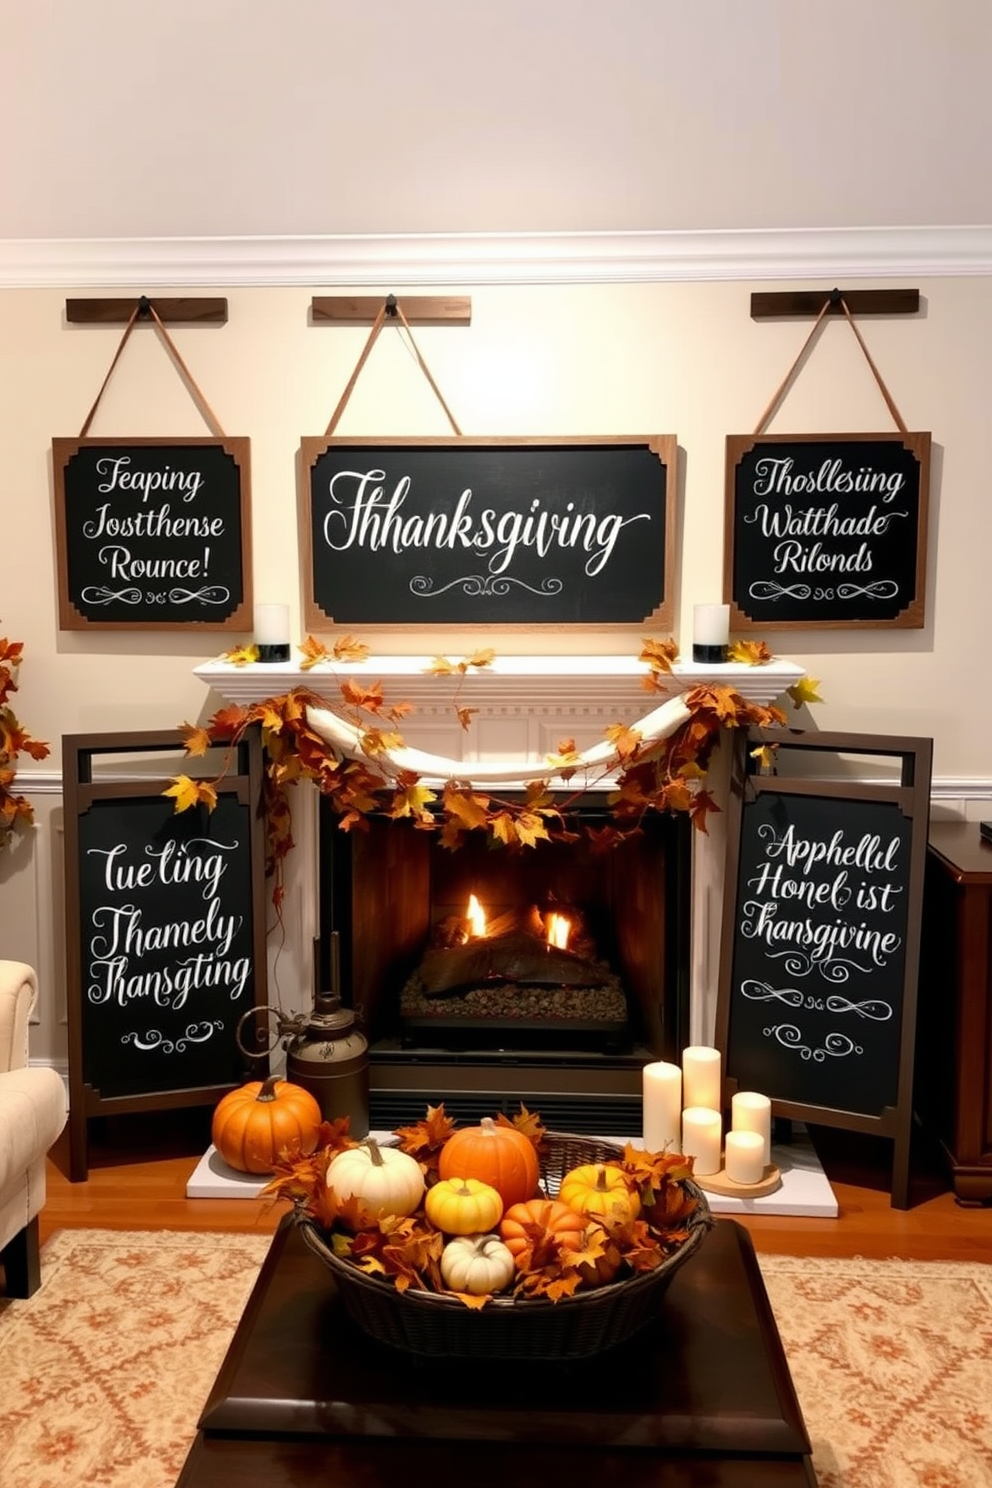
pixel 498 1240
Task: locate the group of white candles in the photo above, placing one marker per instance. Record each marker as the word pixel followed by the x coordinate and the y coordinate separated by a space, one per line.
pixel 683 1111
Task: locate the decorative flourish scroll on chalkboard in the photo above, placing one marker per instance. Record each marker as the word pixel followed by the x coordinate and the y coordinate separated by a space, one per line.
pixel 489 531
pixel 165 932
pixel 820 952
pixel 153 534
pixel 826 529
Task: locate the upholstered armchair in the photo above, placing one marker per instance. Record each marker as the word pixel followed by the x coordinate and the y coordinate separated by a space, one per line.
pixel 32 1114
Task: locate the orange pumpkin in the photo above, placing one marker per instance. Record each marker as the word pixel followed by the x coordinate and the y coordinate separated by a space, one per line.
pixel 259 1122
pixel 553 1219
pixel 498 1155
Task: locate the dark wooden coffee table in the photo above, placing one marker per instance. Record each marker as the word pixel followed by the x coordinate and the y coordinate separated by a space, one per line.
pixel 702 1396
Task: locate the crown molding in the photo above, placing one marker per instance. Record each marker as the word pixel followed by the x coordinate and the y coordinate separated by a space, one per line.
pixel 396 261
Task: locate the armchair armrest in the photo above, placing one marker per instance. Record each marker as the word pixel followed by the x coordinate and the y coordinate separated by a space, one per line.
pixel 18 994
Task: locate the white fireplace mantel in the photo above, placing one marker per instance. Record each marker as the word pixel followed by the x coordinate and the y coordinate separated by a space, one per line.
pixel 523 703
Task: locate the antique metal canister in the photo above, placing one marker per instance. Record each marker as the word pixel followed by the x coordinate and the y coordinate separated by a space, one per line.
pixel 329 1057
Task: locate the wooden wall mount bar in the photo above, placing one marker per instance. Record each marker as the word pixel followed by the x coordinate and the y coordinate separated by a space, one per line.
pixel 189 311
pixel 772 304
pixel 418 309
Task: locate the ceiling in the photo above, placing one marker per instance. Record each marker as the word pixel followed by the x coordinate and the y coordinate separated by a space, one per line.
pixel 187 119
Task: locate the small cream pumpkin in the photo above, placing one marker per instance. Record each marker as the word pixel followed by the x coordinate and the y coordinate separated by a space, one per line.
pixel 384 1180
pixel 476 1264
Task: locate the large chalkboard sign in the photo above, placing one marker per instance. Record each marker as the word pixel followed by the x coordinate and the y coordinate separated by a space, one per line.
pixel 488 531
pixel 820 950
pixel 165 929
pixel 153 534
pixel 826 529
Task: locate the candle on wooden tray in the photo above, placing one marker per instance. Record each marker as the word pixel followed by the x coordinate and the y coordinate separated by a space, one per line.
pixel 752 1112
pixel 271 631
pixel 702 1131
pixel 661 1091
pixel 710 632
pixel 744 1156
pixel 701 1084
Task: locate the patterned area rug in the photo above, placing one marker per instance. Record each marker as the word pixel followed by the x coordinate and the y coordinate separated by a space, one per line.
pixel 104 1371
pixel 892 1363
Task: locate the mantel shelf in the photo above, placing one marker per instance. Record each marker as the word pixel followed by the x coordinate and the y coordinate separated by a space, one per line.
pixel 530 685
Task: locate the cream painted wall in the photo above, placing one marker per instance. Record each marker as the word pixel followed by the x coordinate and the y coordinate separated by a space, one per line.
pixel 554 360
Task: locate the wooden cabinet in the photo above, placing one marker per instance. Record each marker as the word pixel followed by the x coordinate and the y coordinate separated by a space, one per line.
pixel 954 1038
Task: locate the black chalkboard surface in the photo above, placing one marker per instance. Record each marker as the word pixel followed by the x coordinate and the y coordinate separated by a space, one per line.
pixel 153 533
pixel 488 531
pixel 826 530
pixel 165 937
pixel 820 950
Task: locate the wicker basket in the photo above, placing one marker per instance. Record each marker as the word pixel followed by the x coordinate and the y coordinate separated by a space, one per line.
pixel 436 1325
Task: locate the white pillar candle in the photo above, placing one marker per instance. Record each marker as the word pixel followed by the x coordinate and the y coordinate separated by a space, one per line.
pixel 661 1091
pixel 710 624
pixel 752 1112
pixel 272 624
pixel 744 1156
pixel 702 1131
pixel 701 1077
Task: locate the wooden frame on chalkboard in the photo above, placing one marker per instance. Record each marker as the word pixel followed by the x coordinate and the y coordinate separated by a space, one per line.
pixel 154 1001
pixel 507 533
pixel 821 930
pixel 153 534
pixel 826 531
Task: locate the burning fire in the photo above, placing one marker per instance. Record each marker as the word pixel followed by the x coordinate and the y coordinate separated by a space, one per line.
pixel 476 916
pixel 559 928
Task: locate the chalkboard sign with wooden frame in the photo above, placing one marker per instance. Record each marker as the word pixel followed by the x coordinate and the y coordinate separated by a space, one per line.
pixel 153 534
pixel 826 530
pixel 488 532
pixel 821 930
pixel 165 928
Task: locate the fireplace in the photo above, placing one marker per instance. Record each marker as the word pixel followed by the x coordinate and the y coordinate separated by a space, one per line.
pixel 483 1020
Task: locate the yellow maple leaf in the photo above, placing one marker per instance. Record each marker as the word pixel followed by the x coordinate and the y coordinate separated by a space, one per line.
pixel 624 739
pixel 482 658
pixel 764 756
pixel 197 740
pixel 312 653
pixel 349 648
pixel 530 827
pixel 659 655
pixel 241 655
pixel 412 800
pixel 468 809
pixel 749 653
pixel 804 691
pixel 504 828
pixel 441 666
pixel 187 792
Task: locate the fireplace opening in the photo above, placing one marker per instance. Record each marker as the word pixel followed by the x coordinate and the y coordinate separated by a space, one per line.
pixel 485 977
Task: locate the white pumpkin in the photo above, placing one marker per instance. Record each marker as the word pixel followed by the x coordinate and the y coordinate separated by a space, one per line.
pixel 476 1264
pixel 383 1179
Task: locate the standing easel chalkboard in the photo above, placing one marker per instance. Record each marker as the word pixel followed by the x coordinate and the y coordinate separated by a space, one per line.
pixel 165 928
pixel 821 930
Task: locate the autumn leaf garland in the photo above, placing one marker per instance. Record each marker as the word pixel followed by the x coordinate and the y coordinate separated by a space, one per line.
pixel 15 810
pixel 666 774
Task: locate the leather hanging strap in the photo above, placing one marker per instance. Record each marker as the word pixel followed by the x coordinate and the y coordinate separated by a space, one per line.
pixel 145 307
pixel 831 300
pixel 391 308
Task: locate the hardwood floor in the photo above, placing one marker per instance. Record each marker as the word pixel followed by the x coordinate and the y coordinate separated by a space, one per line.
pixel 139 1170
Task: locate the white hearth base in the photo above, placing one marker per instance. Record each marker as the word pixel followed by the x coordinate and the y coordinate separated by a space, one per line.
pixel 805 1190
